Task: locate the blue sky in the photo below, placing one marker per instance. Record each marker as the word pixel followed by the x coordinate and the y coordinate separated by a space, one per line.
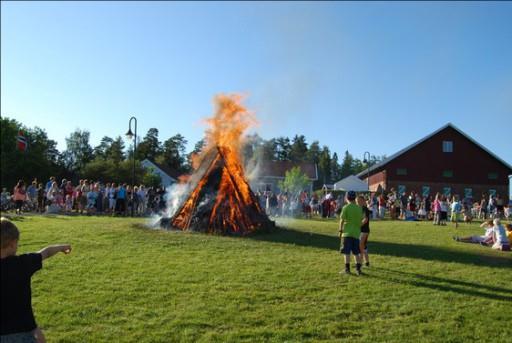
pixel 361 77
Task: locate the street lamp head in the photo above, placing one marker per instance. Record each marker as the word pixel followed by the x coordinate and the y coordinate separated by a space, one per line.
pixel 365 161
pixel 129 134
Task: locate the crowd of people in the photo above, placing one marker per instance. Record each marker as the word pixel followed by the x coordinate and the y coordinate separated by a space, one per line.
pixel 86 197
pixel 95 197
pixel 438 208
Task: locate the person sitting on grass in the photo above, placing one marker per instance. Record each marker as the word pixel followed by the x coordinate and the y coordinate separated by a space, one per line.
pixel 17 323
pixel 486 239
pixel 501 241
pixel 350 230
pixel 509 232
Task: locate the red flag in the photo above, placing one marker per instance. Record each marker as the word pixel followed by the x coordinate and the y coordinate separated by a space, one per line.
pixel 21 141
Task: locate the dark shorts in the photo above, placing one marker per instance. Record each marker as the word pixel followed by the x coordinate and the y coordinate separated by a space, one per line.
pixel 444 215
pixel 350 244
pixel 22 337
pixel 19 204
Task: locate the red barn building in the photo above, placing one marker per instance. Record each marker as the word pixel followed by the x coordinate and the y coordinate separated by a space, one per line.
pixel 447 161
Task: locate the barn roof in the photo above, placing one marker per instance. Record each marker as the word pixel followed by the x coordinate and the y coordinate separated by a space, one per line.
pixel 401 152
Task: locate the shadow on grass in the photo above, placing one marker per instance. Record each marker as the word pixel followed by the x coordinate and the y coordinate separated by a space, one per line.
pixel 443 284
pixel 423 252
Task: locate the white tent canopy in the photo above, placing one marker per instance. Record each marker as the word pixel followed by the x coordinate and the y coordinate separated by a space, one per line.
pixel 351 183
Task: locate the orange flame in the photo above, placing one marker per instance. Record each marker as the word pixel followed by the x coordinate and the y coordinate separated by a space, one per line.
pixel 234 209
pixel 228 123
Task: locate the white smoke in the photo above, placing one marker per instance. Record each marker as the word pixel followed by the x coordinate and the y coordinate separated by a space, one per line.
pixel 174 196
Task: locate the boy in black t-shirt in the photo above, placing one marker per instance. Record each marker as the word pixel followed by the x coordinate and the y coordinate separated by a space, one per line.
pixel 17 323
pixel 365 231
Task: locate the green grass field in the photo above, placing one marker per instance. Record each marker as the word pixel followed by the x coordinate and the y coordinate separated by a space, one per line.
pixel 124 283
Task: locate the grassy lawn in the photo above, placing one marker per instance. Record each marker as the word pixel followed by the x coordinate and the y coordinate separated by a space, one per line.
pixel 123 283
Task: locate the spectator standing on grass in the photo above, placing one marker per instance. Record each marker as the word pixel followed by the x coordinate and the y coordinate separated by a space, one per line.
pixel 443 204
pixel 68 189
pixel 456 208
pixel 17 320
pixel 77 196
pixel 365 231
pixel 143 200
pixel 121 199
pixel 482 214
pixel 436 208
pixel 350 230
pixel 40 198
pixel 491 207
pixel 32 192
pixel 49 183
pixel 382 206
pixel 500 206
pixel 112 194
pixel 19 195
pixel 5 199
pixel 106 192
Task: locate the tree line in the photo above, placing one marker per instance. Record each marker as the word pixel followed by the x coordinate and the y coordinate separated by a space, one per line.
pixel 111 159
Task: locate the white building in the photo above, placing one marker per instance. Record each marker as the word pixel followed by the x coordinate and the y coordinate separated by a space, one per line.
pixel 167 176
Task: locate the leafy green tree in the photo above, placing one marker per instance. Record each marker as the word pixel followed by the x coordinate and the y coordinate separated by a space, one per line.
pixel 313 153
pixel 295 181
pixel 283 148
pixel 101 149
pixel 151 180
pixel 299 149
pixel 150 147
pixel 267 151
pixel 173 154
pixel 40 160
pixel 335 168
pixel 78 150
pixel 347 167
pixel 198 148
pixel 116 150
pixel 107 170
pixel 324 165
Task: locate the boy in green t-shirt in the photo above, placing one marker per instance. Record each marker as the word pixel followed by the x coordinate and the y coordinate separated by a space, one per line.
pixel 350 229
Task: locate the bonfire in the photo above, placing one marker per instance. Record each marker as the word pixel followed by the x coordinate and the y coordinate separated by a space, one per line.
pixel 220 200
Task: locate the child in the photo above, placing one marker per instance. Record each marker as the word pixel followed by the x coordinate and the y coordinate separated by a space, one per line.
pixel 444 210
pixel 501 241
pixel 365 231
pixel 69 203
pixel 468 216
pixel 509 232
pixel 486 239
pixel 456 208
pixel 350 230
pixel 17 320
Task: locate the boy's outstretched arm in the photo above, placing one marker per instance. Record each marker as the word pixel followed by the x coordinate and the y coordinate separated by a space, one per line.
pixel 53 249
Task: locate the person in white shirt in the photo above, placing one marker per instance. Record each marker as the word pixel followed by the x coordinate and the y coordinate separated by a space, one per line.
pixel 486 239
pixel 112 198
pixel 500 236
pixel 142 200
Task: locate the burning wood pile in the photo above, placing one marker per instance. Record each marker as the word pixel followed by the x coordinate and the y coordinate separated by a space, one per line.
pixel 220 200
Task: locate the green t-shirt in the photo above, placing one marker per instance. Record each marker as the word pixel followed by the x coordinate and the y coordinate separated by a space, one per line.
pixel 353 216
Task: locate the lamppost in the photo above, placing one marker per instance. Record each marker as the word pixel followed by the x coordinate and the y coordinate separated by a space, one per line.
pixel 367 161
pixel 131 135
